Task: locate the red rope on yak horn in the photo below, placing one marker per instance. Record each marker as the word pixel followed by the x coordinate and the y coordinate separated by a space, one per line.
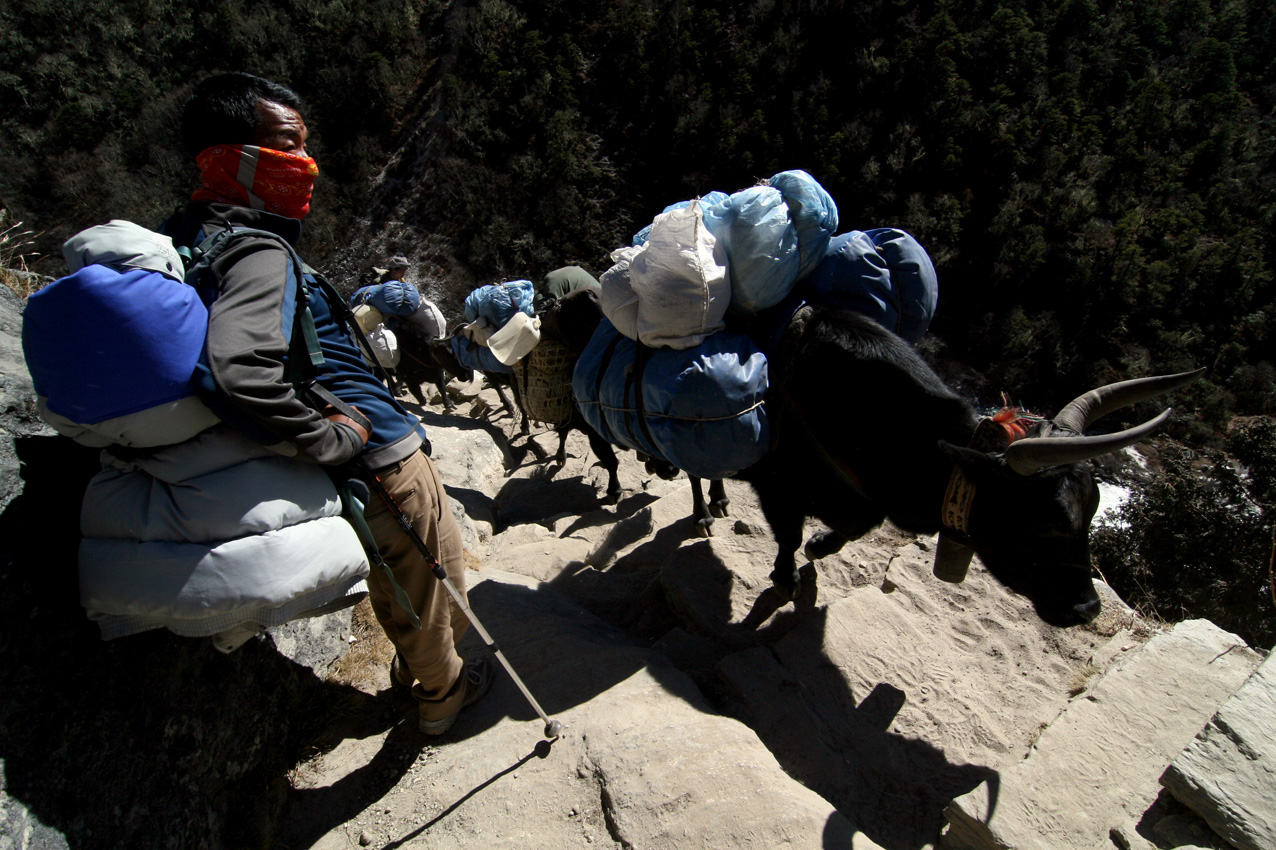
pixel 1015 421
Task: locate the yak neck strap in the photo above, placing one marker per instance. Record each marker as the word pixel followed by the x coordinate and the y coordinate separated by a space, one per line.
pixel 992 434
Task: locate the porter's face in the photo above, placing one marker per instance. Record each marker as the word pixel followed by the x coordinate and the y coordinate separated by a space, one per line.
pixel 280 128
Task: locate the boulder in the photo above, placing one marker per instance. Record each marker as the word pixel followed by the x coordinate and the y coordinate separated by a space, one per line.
pixel 1097 765
pixel 1227 774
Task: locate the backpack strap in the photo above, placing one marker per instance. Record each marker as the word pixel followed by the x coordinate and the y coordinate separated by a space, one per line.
pixel 344 313
pixel 305 354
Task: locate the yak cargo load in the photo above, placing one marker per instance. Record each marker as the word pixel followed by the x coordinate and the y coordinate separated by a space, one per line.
pixel 700 409
pixel 700 258
pixel 883 274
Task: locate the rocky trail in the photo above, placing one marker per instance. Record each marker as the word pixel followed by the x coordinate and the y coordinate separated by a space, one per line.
pixel 701 712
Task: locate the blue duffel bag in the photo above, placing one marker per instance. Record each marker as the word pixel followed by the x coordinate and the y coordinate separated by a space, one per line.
pixel 882 273
pixel 702 407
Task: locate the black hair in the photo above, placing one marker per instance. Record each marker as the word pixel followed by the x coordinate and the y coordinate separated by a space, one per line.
pixel 223 110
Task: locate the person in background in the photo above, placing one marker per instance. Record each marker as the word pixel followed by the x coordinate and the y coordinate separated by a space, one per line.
pixel 396 268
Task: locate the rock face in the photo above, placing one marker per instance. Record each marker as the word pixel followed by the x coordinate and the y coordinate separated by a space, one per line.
pixel 148 741
pixel 1228 773
pixel 17 397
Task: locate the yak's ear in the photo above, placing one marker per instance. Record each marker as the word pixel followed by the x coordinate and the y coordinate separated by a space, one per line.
pixel 975 464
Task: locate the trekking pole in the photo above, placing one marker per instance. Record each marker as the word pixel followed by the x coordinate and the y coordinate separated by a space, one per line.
pixel 553 728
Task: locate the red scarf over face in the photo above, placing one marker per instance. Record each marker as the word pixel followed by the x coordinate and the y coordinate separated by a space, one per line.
pixel 260 178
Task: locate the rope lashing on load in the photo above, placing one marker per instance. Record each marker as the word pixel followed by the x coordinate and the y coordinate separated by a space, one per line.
pixel 755 406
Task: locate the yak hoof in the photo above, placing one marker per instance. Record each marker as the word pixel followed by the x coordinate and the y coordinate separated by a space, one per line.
pixel 719 508
pixel 662 469
pixel 786 583
pixel 823 544
pixel 704 527
pixel 613 496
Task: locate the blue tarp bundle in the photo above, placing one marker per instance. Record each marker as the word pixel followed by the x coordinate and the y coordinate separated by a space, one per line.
pixel 471 355
pixel 884 274
pixel 702 405
pixel 774 235
pixel 393 298
pixel 703 402
pixel 498 302
pixel 101 343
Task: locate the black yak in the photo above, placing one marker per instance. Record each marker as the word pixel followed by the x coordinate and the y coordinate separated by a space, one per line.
pixel 863 430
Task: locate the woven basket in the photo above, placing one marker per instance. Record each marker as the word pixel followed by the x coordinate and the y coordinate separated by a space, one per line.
pixel 545 382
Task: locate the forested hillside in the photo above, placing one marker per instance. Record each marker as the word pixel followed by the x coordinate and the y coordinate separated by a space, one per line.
pixel 1094 178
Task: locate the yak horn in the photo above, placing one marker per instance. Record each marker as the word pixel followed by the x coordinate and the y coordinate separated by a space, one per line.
pixel 1027 456
pixel 1078 415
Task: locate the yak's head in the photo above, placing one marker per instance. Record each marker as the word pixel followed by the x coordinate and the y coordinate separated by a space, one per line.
pixel 1026 510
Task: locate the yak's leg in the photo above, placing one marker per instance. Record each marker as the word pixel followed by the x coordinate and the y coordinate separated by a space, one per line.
pixel 786 516
pixel 824 543
pixel 448 404
pixel 851 526
pixel 525 427
pixel 662 468
pixel 415 389
pixel 699 510
pixel 607 457
pixel 561 457
pixel 718 501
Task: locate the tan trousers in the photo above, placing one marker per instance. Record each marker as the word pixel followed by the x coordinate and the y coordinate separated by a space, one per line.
pixel 430 652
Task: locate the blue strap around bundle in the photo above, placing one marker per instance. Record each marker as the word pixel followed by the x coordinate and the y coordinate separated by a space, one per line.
pixel 699 409
pixel 101 343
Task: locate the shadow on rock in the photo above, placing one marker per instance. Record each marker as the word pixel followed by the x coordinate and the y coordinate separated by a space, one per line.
pixel 839 744
pixel 542 750
pixel 538 499
pixel 314 812
pixel 543 636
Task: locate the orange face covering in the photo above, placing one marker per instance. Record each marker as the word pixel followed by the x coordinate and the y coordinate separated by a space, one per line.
pixel 260 178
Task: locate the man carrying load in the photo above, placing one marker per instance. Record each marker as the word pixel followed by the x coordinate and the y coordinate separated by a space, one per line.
pixel 248 137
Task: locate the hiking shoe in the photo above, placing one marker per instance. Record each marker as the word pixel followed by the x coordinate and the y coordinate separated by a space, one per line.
pixel 400 675
pixel 476 678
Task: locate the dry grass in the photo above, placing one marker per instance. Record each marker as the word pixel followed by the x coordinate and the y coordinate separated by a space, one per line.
pixel 15 253
pixel 1081 679
pixel 366 666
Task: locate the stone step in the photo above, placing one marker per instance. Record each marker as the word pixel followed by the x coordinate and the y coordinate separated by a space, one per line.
pixel 1227 775
pixel 1099 763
